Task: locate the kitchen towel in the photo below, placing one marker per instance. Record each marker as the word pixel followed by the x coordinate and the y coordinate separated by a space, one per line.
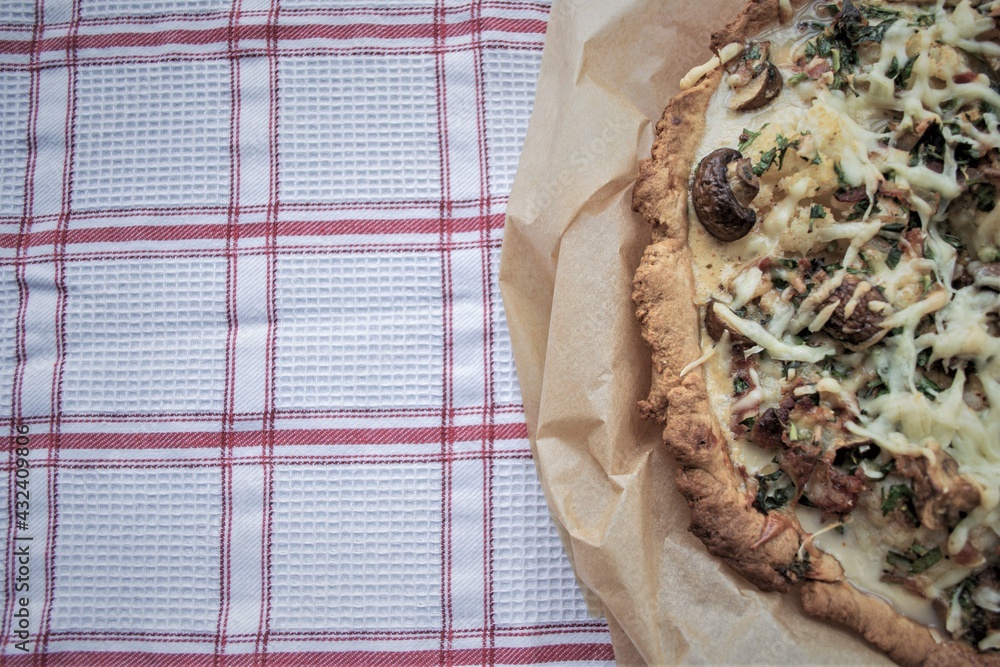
pixel 256 387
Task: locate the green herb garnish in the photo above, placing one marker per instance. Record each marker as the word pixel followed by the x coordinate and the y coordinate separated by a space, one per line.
pixel 765 162
pixel 898 493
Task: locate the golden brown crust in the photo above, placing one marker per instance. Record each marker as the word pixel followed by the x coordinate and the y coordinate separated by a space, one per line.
pixel 721 513
pixel 722 516
pixel 765 549
pixel 903 640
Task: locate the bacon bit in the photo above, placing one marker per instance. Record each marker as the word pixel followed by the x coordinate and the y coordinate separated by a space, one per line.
pixel 965 77
pixel 890 189
pixel 775 524
pixel 853 195
pixel 968 556
pixel 817 67
pixel 912 242
pixel 923 125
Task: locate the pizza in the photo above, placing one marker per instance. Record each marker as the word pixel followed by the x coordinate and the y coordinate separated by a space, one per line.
pixel 821 298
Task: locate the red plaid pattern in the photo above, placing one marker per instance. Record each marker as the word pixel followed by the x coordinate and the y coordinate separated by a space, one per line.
pixel 251 325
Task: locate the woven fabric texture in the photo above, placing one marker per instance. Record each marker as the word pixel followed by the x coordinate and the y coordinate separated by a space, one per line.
pixel 257 392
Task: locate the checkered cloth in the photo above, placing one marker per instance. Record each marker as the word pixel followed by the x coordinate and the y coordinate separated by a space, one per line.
pixel 250 323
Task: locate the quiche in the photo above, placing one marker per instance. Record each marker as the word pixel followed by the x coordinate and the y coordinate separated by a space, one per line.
pixel 821 298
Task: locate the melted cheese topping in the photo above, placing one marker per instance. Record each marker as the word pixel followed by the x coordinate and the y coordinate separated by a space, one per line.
pixel 834 141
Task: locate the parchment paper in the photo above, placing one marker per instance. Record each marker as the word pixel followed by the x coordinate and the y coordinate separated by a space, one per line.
pixel 571 246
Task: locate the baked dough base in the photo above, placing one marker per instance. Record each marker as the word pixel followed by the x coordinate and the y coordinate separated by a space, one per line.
pixel 764 549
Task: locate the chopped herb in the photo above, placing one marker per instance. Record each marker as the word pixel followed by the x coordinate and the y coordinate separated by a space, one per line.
pixel 747 137
pixel 925 561
pixel 797 569
pixel 748 422
pixel 898 561
pixel 795 435
pixel 875 33
pixel 923 358
pixel 753 53
pixel 857 272
pixel 765 162
pixel 887 468
pixel 894 227
pixel 774 490
pixel 871 12
pixel 772 476
pixel 779 283
pixel 823 45
pixel 892 259
pixel 924 20
pixel 834 370
pixel 974 622
pixel 817 211
pixel 897 493
pixel 893 70
pixel 787 366
pixel 783 145
pixel 858 211
pixel 985 195
pixel 876 388
pixel 841 177
pixel 953 241
pixel 740 385
pixel 849 458
pixel 904 74
pixel 796 79
pixel 830 268
pixel 915 560
pixel 927 387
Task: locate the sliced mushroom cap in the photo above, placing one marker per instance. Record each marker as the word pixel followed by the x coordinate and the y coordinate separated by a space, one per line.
pixel 724 185
pixel 761 89
pixel 941 495
pixel 853 320
pixel 716 327
pixel 756 80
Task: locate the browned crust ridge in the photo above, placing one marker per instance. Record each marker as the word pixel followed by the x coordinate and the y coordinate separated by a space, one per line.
pixel 764 549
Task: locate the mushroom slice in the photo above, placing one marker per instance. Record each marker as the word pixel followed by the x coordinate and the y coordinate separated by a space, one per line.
pixel 724 185
pixel 716 327
pixel 759 91
pixel 853 320
pixel 756 80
